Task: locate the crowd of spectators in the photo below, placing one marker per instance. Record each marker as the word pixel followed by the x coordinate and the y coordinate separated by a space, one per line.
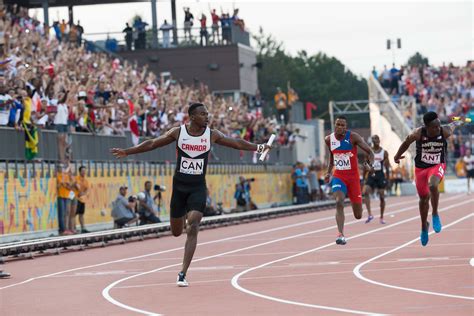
pixel 447 90
pixel 56 84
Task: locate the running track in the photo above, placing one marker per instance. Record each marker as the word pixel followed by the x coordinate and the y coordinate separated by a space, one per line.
pixel 289 265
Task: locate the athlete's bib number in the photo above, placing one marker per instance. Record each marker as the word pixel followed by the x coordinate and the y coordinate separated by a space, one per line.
pixel 342 162
pixel 377 165
pixel 191 166
pixel 432 159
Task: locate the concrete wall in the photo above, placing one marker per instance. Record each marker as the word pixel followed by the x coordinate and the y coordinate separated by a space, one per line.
pixel 190 63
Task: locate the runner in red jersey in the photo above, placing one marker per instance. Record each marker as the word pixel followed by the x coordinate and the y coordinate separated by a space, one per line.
pixel 430 165
pixel 342 145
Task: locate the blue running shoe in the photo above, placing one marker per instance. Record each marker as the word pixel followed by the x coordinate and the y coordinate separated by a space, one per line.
pixel 437 223
pixel 424 236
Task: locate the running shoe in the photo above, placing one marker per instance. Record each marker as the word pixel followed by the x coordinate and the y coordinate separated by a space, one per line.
pixel 424 235
pixel 341 240
pixel 4 275
pixel 369 219
pixel 181 281
pixel 437 223
pixel 382 221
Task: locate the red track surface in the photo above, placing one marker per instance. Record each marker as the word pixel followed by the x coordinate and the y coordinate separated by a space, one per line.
pixel 288 265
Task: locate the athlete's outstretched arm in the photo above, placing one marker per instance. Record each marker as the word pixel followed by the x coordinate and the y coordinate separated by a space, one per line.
pixel 416 134
pixel 237 143
pixel 327 176
pixel 148 145
pixel 386 163
pixel 448 129
pixel 359 141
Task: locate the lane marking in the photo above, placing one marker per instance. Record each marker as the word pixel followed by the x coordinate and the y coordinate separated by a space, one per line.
pixel 106 290
pixel 471 262
pixel 359 275
pixel 235 279
pixel 199 244
pixel 297 275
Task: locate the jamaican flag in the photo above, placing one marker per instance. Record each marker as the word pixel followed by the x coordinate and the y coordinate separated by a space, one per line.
pixel 31 141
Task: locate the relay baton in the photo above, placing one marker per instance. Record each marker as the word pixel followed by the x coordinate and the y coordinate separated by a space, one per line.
pixel 269 143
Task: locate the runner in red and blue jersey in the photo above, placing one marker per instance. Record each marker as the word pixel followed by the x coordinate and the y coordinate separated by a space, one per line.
pixel 345 180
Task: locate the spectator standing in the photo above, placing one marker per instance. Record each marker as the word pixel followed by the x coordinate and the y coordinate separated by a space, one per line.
pixel 80 31
pixel 386 76
pixel 215 27
pixel 301 175
pixel 82 188
pixel 188 24
pixel 64 205
pixel 281 106
pixel 128 36
pixel 165 29
pixel 203 31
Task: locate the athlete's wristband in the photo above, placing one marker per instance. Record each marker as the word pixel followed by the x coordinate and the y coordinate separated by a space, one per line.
pixel 260 148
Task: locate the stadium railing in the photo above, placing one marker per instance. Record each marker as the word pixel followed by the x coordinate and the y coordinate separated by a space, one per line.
pixel 96 148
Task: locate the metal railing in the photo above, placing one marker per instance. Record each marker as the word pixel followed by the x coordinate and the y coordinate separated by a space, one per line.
pixel 235 35
pixel 94 147
pixel 388 108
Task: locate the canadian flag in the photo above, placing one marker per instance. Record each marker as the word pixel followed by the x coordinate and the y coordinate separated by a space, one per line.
pixel 36 102
pixel 131 107
pixel 133 127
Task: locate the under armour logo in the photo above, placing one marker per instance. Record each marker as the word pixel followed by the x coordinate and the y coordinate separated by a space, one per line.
pixel 203 140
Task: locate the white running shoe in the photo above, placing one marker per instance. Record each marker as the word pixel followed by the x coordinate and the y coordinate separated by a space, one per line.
pixel 181 281
pixel 341 240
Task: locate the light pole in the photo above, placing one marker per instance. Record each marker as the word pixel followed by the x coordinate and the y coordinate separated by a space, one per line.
pixel 391 46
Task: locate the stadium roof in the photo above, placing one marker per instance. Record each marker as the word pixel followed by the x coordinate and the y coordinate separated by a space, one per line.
pixel 65 3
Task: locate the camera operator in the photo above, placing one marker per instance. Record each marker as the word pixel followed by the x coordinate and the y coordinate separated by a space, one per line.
pixel 242 195
pixel 146 208
pixel 211 208
pixel 123 209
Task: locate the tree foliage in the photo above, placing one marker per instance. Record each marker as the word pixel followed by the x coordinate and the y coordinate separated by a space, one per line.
pixel 316 78
pixel 418 59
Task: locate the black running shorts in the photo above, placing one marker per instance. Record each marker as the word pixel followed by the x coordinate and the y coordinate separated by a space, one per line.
pixel 470 173
pixel 187 197
pixel 376 181
pixel 81 208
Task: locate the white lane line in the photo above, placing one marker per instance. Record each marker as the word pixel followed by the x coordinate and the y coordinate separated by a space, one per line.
pixel 199 244
pixel 106 291
pixel 235 279
pixel 359 275
pixel 297 275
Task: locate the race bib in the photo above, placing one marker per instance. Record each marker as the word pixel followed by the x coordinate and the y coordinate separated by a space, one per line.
pixel 191 166
pixel 377 165
pixel 432 159
pixel 342 162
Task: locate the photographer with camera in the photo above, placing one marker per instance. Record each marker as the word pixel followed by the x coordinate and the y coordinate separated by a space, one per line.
pixel 123 209
pixel 242 195
pixel 146 208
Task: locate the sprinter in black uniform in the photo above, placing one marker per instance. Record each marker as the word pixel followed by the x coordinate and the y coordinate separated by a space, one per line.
pixel 188 200
pixel 430 165
pixel 378 180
